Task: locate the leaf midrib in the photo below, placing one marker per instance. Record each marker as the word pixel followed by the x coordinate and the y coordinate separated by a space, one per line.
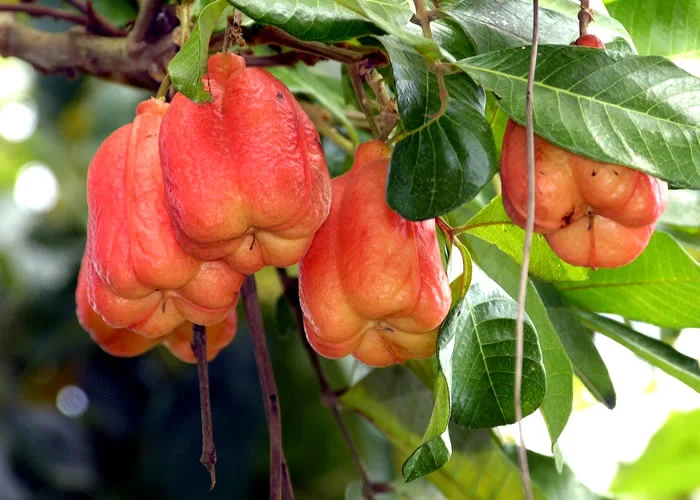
pixel 577 96
pixel 629 283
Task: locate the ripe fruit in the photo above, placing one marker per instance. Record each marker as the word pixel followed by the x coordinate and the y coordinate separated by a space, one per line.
pixel 372 283
pixel 136 275
pixel 245 175
pixel 123 342
pixel 592 214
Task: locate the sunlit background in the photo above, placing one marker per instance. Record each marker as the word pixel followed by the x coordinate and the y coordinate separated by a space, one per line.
pixel 68 412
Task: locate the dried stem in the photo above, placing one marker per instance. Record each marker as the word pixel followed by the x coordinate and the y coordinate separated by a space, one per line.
pixel 388 113
pixel 529 228
pixel 358 85
pixel 279 477
pixel 585 16
pixel 329 396
pixel 199 349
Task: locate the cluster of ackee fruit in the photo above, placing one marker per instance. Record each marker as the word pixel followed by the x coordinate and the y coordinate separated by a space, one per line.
pixel 188 198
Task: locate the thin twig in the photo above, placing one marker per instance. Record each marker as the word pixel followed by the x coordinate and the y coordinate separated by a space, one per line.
pixel 199 349
pixel 388 112
pixel 358 85
pixel 329 396
pixel 424 18
pixel 278 466
pixel 524 268
pixel 585 16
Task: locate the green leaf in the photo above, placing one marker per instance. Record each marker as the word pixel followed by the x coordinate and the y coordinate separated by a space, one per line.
pixel 649 349
pixel 661 287
pixel 639 111
pixel 443 163
pixel 492 224
pixel 578 342
pixel 477 353
pixel 558 400
pixel 436 448
pixel 313 20
pixel 188 66
pixel 393 17
pixel 323 89
pixel 659 27
pixel 499 24
pixel 556 485
pixel 399 406
pixel 118 12
pixel 670 463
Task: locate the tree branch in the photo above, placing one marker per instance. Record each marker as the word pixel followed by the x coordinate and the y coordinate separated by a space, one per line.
pixel 524 268
pixel 329 397
pixel 137 38
pixel 76 51
pixel 278 467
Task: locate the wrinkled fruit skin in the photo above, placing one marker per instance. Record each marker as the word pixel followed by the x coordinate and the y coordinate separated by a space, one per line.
pixel 137 279
pixel 372 283
pixel 123 342
pixel 593 214
pixel 245 175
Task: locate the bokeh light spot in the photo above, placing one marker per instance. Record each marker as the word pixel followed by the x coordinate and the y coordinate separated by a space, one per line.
pixel 36 188
pixel 18 121
pixel 72 401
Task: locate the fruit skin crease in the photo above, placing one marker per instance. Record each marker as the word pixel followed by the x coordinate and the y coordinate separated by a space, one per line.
pixel 123 342
pixel 137 278
pixel 372 283
pixel 246 179
pixel 593 214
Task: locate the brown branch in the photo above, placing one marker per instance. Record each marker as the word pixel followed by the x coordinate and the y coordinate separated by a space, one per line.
pixel 329 397
pixel 138 36
pixel 524 268
pixel 199 349
pixel 585 16
pixel 76 51
pixel 278 468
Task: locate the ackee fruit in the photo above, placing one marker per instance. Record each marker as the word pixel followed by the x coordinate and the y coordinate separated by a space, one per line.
pixel 372 283
pixel 592 214
pixel 245 175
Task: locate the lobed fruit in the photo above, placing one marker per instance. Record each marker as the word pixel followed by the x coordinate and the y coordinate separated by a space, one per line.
pixel 592 214
pixel 123 342
pixel 372 283
pixel 246 179
pixel 137 276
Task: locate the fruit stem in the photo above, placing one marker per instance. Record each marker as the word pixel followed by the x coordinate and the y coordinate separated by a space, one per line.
pixel 279 475
pixel 585 16
pixel 199 349
pixel 524 268
pixel 321 120
pixel 329 396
